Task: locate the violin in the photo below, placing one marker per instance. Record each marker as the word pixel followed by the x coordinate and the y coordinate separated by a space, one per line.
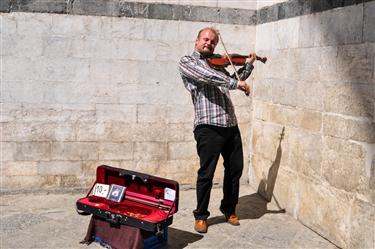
pixel 222 61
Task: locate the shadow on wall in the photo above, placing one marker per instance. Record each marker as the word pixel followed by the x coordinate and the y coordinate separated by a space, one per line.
pixel 254 206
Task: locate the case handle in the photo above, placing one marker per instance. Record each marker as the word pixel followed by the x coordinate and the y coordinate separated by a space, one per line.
pixel 134 175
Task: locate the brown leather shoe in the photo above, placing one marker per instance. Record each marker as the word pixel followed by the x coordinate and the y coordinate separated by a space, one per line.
pixel 201 226
pixel 233 220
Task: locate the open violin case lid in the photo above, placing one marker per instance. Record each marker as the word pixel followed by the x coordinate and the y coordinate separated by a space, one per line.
pixel 131 198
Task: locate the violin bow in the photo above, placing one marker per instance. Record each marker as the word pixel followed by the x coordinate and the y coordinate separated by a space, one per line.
pixel 226 54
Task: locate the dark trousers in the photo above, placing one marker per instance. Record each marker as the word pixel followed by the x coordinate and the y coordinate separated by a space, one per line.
pixel 211 142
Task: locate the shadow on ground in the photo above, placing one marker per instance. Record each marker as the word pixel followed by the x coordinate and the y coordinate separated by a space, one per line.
pixel 180 239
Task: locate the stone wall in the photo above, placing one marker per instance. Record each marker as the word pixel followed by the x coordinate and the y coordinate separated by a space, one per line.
pixel 87 85
pixel 319 84
pixel 91 82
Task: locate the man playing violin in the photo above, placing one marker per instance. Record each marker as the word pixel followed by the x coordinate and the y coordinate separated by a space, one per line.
pixel 215 125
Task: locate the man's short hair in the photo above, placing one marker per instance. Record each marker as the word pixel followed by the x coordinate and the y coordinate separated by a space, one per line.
pixel 211 29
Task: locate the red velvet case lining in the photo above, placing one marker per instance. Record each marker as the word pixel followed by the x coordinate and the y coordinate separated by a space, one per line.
pixel 142 200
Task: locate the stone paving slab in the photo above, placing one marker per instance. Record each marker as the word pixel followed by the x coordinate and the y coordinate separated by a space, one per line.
pixel 50 221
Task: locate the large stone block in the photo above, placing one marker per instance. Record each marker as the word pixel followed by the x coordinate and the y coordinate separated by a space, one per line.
pixel 306 154
pixel 5 6
pixel 285 34
pixel 355 63
pixel 303 64
pixel 96 7
pixel 339 26
pixel 128 28
pixel 362 225
pixel 346 128
pixel 182 150
pixel 74 150
pixel 19 46
pixel 9 24
pixel 20 131
pixel 322 209
pixel 57 168
pixel 115 151
pixel 369 22
pixel 151 114
pixel 264 36
pixel 310 95
pixel 277 64
pixel 328 64
pixel 33 23
pixel 32 151
pixel 286 190
pixel 284 91
pixel 116 113
pixel 49 6
pixel 16 183
pixel 263 89
pixel 68 25
pixel 11 68
pixel 265 140
pixel 56 46
pixel 10 112
pixel 19 168
pixel 61 69
pixel 150 151
pixel 308 30
pixel 356 100
pixel 180 114
pixel 161 30
pixel 343 163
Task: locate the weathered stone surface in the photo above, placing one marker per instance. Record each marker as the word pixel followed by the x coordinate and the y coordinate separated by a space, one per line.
pixel 284 91
pixel 306 154
pixel 14 183
pixel 351 99
pixel 286 190
pixel 57 168
pixel 5 6
pixel 150 151
pixel 116 113
pixel 340 160
pixel 74 151
pixel 50 6
pixel 355 63
pixel 19 168
pixel 96 7
pixel 338 126
pixel 369 20
pixel 19 46
pixel 315 205
pixel 310 95
pixel 115 151
pixel 32 151
pixel 330 30
pixel 362 225
pixel 285 34
pixel 151 114
pixel 182 150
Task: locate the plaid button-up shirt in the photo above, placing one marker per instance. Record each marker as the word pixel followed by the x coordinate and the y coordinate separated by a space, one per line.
pixel 209 89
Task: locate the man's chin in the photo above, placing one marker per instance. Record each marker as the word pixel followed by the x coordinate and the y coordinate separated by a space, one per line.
pixel 206 52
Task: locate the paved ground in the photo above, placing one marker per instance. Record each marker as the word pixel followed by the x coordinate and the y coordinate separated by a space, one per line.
pixel 50 221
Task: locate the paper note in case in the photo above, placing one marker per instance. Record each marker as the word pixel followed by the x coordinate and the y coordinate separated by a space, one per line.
pixel 116 193
pixel 100 190
pixel 169 194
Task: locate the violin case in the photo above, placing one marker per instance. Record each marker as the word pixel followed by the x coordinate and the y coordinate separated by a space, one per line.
pixel 147 202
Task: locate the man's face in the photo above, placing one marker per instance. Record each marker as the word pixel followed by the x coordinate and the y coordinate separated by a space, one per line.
pixel 206 42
